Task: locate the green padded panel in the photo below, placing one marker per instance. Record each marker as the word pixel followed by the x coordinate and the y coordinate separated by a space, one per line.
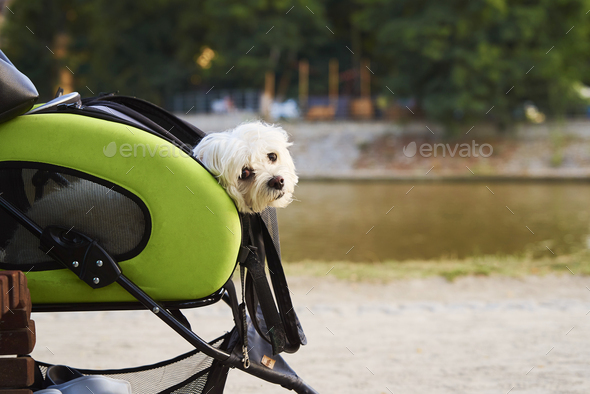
pixel 196 233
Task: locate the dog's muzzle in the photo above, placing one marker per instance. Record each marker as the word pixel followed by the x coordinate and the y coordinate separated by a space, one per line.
pixel 276 182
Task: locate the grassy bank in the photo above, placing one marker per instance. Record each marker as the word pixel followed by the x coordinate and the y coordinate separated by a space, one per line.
pixel 512 266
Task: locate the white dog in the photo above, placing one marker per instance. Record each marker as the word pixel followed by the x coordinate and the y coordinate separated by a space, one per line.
pixel 253 165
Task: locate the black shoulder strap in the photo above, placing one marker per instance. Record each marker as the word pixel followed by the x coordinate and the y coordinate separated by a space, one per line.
pixel 293 329
pixel 281 328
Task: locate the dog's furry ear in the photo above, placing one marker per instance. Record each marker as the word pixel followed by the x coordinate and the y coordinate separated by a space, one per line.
pixel 220 154
pixel 211 151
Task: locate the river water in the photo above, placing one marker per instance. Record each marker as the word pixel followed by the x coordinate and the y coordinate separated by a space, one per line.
pixel 379 221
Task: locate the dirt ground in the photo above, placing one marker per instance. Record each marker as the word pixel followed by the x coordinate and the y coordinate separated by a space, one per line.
pixel 475 335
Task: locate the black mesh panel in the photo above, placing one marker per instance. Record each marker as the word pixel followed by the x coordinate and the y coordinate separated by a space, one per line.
pixel 99 210
pixel 186 374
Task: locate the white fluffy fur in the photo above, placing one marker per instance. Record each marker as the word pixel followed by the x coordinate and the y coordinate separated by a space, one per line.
pixel 248 146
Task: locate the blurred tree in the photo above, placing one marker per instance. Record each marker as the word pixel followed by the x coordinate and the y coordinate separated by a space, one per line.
pixel 132 47
pixel 255 36
pixel 459 58
pixel 28 38
pixel 152 49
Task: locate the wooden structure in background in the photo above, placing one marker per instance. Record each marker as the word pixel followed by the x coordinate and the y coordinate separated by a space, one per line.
pixel 327 112
pixel 17 334
pixel 268 95
pixel 269 84
pixel 333 81
pixel 66 76
pixel 303 84
pixel 360 108
pixel 321 112
pixel 363 108
pixel 365 78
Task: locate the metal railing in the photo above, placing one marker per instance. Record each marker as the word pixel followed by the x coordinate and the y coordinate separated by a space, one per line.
pixel 216 101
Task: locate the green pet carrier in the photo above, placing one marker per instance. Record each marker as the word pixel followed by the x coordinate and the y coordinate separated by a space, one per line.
pixel 105 208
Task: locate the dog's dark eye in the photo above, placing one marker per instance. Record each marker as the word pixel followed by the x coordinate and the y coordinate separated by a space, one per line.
pixel 272 157
pixel 246 173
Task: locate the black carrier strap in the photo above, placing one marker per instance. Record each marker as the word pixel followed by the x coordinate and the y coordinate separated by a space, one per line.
pixel 293 328
pixel 281 328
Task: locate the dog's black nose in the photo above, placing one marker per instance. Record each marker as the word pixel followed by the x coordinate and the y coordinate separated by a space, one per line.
pixel 277 182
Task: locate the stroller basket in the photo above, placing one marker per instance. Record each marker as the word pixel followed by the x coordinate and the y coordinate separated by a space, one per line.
pixel 186 374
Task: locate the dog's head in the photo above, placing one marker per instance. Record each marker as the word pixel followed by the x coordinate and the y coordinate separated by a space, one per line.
pixel 253 164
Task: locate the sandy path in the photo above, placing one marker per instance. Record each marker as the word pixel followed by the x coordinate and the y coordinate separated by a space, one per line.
pixel 477 335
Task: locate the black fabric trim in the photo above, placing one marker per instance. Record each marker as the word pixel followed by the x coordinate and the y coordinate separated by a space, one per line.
pixel 156 128
pixel 188 380
pixel 184 131
pixel 91 113
pixel 50 265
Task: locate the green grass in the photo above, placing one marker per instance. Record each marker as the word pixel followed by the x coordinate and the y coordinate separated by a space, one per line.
pixel 510 266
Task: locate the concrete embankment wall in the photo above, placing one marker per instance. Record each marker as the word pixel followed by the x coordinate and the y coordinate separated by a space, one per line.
pixel 357 150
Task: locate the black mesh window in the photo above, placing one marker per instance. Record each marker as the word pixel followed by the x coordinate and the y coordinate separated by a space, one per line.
pixel 116 219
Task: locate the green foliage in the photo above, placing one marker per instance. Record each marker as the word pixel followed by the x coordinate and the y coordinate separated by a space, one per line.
pixel 272 39
pixel 458 58
pixel 149 48
pixel 26 36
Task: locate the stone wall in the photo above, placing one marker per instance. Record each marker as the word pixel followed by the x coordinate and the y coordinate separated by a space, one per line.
pixel 374 150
